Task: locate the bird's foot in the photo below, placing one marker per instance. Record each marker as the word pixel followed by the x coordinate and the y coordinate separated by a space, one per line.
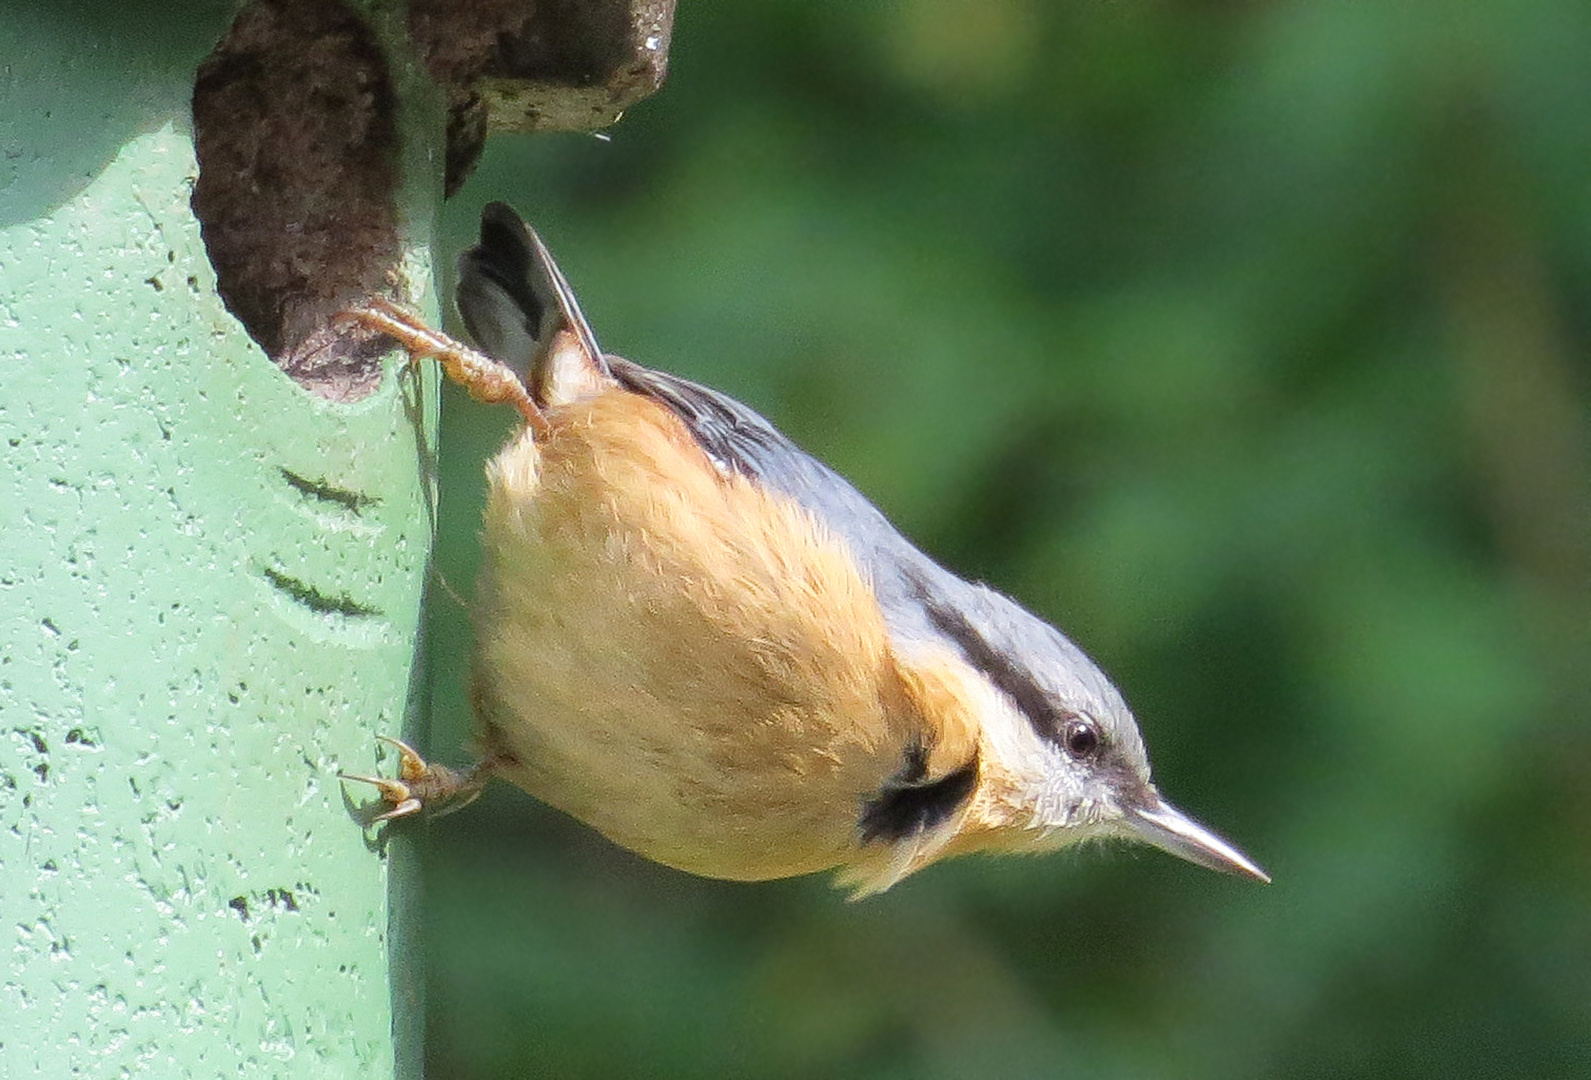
pixel 487 380
pixel 420 785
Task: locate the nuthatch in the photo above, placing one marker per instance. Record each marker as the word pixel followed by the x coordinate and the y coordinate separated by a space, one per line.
pixel 708 646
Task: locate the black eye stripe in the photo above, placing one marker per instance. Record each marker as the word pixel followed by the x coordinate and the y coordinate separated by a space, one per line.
pixel 1049 721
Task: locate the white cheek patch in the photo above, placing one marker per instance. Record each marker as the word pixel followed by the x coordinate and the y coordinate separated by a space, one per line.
pixel 1010 745
pixel 1060 793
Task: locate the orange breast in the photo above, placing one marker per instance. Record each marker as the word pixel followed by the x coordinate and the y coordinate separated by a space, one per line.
pixel 677 657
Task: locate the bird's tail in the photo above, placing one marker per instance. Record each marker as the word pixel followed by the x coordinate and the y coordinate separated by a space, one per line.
pixel 520 310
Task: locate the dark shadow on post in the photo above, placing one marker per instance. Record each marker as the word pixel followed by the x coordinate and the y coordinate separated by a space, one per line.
pixel 294 130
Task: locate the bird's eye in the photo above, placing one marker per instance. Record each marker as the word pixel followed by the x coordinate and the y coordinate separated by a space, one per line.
pixel 1081 738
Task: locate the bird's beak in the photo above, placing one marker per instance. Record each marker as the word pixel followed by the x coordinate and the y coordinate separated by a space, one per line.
pixel 1157 822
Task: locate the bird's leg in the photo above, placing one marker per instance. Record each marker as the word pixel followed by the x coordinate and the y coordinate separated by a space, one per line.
pixel 420 785
pixel 487 380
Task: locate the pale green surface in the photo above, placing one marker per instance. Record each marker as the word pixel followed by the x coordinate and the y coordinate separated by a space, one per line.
pixel 171 721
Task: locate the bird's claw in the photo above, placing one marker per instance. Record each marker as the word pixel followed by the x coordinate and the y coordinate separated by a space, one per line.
pixel 420 785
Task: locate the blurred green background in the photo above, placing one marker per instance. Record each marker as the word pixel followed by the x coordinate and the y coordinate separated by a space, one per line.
pixel 1244 341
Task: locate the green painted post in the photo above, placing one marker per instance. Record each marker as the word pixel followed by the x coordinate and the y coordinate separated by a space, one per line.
pixel 210 576
pixel 210 589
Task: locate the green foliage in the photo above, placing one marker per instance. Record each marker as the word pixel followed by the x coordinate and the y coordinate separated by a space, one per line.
pixel 1246 343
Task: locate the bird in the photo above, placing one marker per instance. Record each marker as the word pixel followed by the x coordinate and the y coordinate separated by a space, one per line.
pixel 707 645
